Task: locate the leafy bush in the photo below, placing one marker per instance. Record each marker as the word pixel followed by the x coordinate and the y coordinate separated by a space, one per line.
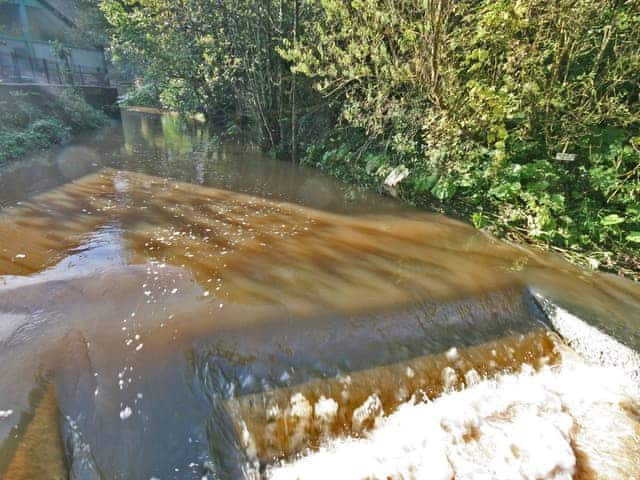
pixel 485 101
pixel 31 121
pixel 51 130
pixel 77 113
pixel 144 96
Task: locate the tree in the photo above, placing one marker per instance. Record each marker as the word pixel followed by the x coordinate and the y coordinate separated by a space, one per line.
pixel 216 56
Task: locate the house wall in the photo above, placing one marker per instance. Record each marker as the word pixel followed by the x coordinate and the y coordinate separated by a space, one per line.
pixel 27 30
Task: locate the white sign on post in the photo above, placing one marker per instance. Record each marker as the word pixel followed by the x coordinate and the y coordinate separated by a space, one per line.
pixel 565 157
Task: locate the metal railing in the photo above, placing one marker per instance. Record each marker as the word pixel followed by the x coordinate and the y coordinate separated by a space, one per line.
pixel 16 68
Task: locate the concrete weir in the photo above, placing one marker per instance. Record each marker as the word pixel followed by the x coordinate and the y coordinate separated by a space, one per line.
pixel 297 382
pixel 287 421
pixel 280 385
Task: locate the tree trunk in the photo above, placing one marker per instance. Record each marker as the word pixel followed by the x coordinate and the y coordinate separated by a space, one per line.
pixel 281 93
pixel 293 86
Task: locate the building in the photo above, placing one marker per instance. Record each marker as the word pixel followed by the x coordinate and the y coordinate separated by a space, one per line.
pixel 41 44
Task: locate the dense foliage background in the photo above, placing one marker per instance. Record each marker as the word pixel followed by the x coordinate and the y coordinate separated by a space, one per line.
pixel 523 116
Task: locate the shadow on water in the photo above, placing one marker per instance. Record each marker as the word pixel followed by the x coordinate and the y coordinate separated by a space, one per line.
pixel 190 303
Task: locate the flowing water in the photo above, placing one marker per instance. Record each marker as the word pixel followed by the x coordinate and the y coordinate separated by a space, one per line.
pixel 175 308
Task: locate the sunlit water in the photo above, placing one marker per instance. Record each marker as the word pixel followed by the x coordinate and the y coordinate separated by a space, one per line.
pixel 172 308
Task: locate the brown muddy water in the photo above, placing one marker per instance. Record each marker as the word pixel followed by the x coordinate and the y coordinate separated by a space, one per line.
pixel 172 308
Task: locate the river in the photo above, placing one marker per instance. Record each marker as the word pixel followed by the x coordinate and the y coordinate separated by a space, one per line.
pixel 172 307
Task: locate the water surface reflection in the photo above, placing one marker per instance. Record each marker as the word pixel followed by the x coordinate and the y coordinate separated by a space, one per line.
pixel 170 147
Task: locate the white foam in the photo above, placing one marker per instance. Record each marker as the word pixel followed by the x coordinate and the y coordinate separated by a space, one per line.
pixel 449 378
pixel 525 426
pixel 472 377
pixel 367 413
pixel 299 416
pixel 248 442
pixel 325 412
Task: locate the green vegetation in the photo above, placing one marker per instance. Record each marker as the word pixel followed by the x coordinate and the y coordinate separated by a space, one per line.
pixel 221 58
pixel 31 121
pixel 522 116
pixel 143 96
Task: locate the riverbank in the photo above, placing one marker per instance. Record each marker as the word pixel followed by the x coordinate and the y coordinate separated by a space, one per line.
pixel 37 120
pixel 504 217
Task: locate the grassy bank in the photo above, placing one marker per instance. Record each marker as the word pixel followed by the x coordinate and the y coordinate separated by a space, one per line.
pixel 596 238
pixel 32 121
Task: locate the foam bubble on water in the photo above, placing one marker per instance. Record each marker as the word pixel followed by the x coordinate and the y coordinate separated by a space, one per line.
pixel 523 426
pixel 273 412
pixel 6 413
pixel 247 441
pixel 125 413
pixel 472 377
pixel 452 354
pixel 345 382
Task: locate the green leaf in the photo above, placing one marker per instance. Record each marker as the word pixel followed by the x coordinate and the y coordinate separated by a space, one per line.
pixel 505 190
pixel 443 190
pixel 478 219
pixel 612 219
pixel 633 237
pixel 425 182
